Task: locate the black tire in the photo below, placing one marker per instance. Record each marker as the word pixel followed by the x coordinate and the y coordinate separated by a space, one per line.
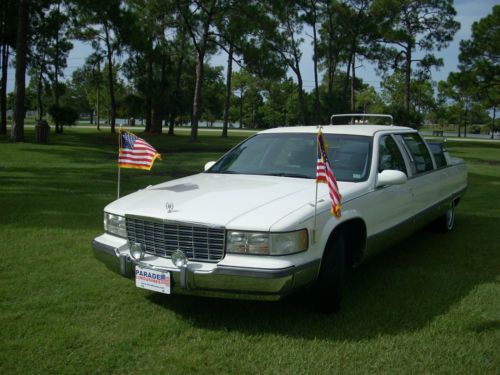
pixel 330 282
pixel 446 222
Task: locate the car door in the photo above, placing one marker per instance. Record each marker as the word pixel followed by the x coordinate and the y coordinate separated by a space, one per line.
pixel 424 183
pixel 389 205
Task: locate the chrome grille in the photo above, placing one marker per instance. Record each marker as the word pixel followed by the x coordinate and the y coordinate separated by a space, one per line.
pixel 198 242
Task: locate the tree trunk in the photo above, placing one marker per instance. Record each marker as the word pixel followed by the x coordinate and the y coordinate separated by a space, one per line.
pixel 301 97
pixel 149 98
pixel 156 126
pixel 353 83
pixel 227 99
pixel 17 132
pixel 315 63
pixel 406 99
pixel 465 119
pixel 39 92
pixel 346 81
pixel 494 120
pixel 177 91
pixel 3 89
pixel 241 107
pixel 199 74
pixel 331 64
pixel 98 99
pixel 197 95
pixel 111 80
pixel 59 127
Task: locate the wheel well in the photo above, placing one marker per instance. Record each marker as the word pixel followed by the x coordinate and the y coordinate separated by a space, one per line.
pixel 355 240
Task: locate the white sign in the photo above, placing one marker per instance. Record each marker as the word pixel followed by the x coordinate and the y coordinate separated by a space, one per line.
pixel 157 281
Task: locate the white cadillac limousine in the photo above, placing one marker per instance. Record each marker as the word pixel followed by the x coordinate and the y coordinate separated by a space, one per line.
pixel 246 226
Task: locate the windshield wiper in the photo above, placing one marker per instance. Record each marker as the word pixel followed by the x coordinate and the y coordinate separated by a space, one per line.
pixel 282 174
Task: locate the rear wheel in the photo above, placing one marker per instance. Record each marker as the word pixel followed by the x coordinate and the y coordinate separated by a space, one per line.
pixel 446 222
pixel 328 289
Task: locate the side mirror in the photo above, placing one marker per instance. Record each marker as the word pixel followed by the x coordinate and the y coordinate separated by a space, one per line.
pixel 209 165
pixel 391 177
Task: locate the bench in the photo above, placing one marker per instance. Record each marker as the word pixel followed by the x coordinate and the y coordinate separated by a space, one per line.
pixel 437 133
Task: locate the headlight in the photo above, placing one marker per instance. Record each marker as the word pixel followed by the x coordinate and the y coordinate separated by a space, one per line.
pixel 115 224
pixel 266 243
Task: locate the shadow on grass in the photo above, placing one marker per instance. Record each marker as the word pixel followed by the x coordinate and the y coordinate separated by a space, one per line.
pixel 401 290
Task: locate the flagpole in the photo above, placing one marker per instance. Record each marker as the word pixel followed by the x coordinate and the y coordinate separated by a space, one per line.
pixel 316 194
pixel 119 169
pixel 315 208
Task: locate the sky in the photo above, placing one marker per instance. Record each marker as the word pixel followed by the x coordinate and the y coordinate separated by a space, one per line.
pixel 468 11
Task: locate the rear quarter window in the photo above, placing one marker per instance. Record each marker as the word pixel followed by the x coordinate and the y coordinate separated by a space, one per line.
pixel 419 152
pixel 438 150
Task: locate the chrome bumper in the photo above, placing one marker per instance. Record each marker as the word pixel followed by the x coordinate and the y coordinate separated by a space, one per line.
pixel 221 281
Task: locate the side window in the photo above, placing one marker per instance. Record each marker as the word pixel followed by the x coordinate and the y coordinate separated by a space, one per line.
pixel 419 152
pixel 438 151
pixel 389 155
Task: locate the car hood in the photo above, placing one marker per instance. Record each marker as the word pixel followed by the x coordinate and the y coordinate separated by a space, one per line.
pixel 250 202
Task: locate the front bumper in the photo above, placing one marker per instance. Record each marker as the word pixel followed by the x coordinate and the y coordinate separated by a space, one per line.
pixel 211 280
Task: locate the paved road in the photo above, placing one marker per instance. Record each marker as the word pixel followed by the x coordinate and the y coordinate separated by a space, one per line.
pixel 141 128
pixel 427 134
pixel 453 135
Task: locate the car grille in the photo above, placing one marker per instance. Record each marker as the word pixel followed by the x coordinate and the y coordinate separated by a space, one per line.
pixel 198 242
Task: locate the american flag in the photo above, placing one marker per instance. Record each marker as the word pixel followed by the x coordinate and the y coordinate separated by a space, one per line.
pixel 324 173
pixel 135 152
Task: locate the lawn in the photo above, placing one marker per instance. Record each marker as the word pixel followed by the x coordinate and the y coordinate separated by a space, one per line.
pixel 429 305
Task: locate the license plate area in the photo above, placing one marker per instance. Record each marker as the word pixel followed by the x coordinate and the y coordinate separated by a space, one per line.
pixel 157 281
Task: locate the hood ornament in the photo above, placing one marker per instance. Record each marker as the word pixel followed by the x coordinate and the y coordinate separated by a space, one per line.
pixel 169 206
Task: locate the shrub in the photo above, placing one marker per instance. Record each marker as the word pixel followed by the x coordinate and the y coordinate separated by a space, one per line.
pixel 63 115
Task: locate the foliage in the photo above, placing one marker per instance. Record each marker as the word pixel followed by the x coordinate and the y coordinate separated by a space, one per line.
pixel 415 25
pixel 480 61
pixel 63 115
pixel 150 60
pixel 480 56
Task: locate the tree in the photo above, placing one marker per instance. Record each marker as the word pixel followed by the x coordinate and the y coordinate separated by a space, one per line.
pixel 331 44
pixel 287 41
pixel 480 60
pixel 421 103
pixel 312 18
pixel 458 89
pixel 232 29
pixel 182 58
pixel 83 90
pixel 213 94
pixel 360 31
pixel 17 131
pixel 100 23
pixel 49 51
pixel 369 101
pixel 8 23
pixel 415 26
pixel 198 16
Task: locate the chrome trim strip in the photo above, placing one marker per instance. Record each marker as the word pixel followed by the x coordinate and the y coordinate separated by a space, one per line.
pixel 390 236
pixel 173 222
pixel 109 250
pixel 264 272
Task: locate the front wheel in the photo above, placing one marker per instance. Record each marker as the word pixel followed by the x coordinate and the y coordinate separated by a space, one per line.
pixel 328 288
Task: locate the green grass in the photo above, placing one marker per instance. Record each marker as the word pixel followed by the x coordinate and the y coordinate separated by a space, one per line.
pixel 429 305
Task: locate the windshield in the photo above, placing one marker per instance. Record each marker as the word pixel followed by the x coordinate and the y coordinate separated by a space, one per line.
pixel 294 155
